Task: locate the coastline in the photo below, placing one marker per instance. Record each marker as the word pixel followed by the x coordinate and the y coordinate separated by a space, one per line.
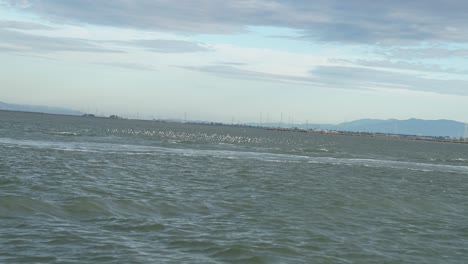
pixel 439 139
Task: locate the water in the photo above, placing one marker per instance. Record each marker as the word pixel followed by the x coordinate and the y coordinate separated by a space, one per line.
pixel 92 190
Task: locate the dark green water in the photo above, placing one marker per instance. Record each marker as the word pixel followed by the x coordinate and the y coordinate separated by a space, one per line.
pixel 83 190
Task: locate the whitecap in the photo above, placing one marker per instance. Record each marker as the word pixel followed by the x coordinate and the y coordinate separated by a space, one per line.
pixel 126 149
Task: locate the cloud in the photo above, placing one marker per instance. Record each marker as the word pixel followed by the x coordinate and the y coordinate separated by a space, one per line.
pixel 231 71
pixel 398 65
pixel 417 53
pixel 347 78
pixel 11 40
pixel 188 17
pixel 169 46
pixel 232 63
pixel 343 76
pixel 131 66
pixel 358 21
pixel 21 25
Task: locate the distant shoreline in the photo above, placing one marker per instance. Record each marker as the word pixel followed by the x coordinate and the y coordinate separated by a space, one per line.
pixel 371 135
pixel 279 129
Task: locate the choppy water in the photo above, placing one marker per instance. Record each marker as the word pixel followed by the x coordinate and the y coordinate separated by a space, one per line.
pixel 83 190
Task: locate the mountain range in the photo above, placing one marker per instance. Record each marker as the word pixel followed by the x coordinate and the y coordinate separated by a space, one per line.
pixel 412 126
pixel 38 109
pixel 418 127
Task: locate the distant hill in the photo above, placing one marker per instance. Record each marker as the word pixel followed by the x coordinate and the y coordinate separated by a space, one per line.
pixel 38 109
pixel 419 127
pixel 413 126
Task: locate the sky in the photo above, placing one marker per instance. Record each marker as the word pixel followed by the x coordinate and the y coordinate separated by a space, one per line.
pixel 321 61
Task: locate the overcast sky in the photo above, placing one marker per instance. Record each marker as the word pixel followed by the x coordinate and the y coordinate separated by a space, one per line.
pixel 245 60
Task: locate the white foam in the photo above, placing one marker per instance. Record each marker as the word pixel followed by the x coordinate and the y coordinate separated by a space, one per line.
pixel 126 149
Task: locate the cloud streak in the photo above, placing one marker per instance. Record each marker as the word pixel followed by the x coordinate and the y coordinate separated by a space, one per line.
pixel 169 46
pixel 129 66
pixel 11 40
pixel 417 53
pixel 21 25
pixel 229 71
pixel 359 21
pixel 347 78
pixel 375 79
pixel 399 66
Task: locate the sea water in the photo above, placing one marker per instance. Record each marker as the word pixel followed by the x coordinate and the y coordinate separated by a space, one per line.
pixel 97 190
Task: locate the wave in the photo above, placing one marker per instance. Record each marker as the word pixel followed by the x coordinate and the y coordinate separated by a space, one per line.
pixel 63 133
pixel 127 149
pixel 18 206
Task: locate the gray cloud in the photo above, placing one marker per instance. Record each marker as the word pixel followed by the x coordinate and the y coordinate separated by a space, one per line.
pixel 371 78
pixel 340 77
pixel 11 40
pixel 229 71
pixel 10 24
pixel 131 66
pixel 357 21
pixel 416 53
pixel 232 63
pixel 169 46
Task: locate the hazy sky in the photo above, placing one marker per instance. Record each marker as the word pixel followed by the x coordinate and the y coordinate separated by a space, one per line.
pixel 321 61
